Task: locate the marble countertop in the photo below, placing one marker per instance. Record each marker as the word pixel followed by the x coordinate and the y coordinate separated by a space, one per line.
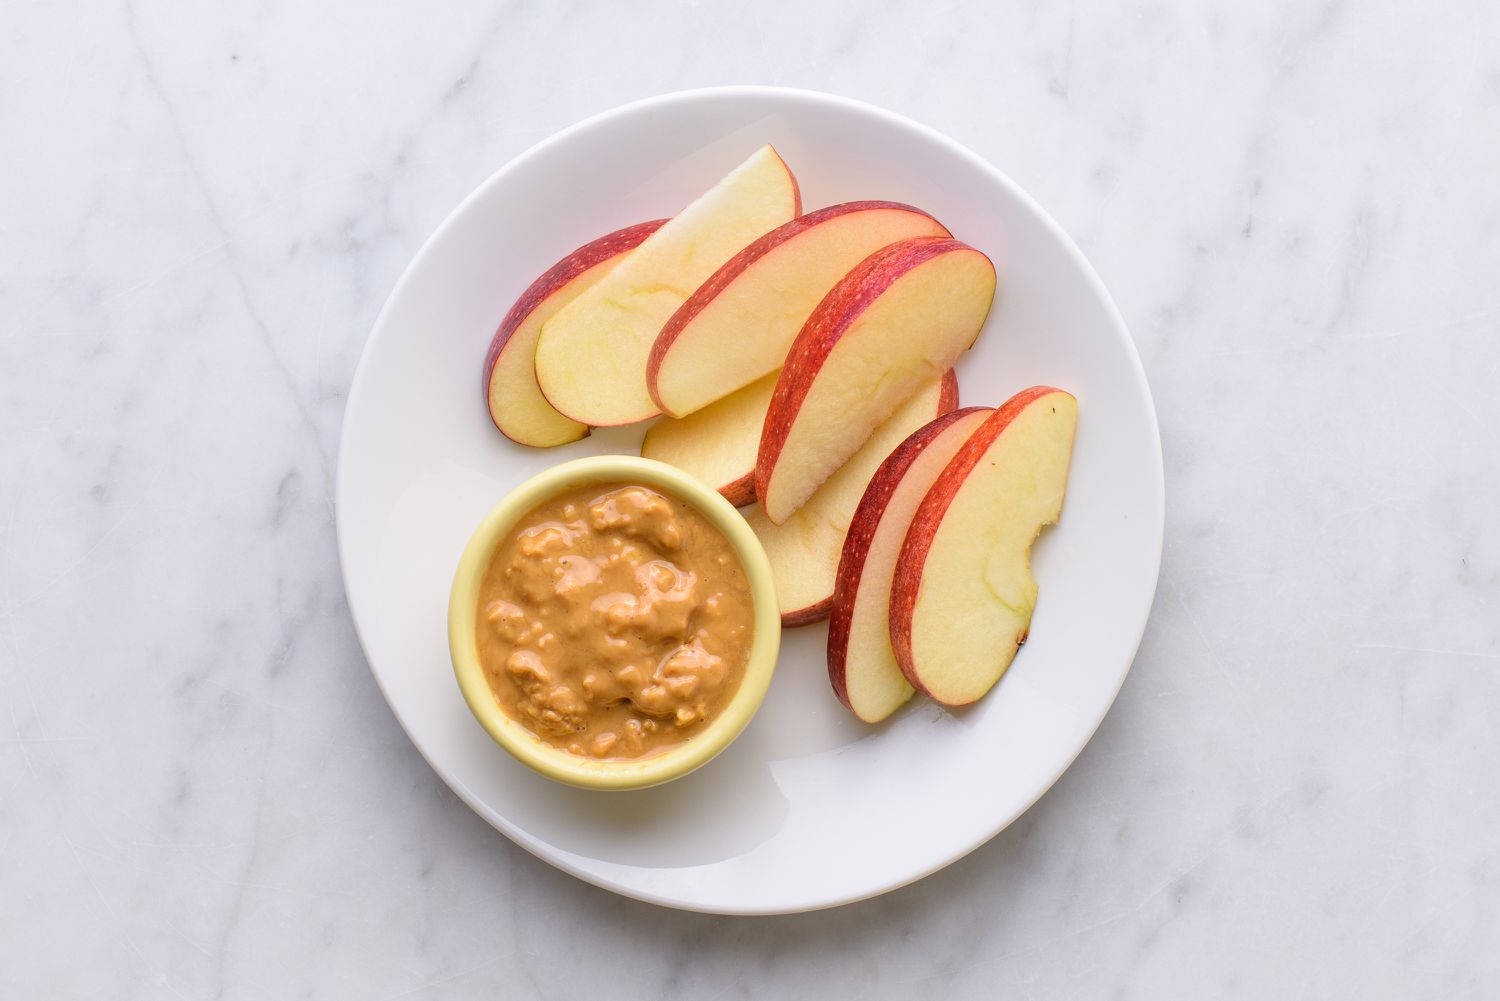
pixel 202 793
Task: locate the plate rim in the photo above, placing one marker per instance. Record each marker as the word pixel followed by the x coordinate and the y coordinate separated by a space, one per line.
pixel 841 103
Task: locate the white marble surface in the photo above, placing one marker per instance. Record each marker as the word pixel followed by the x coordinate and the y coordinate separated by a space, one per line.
pixel 202 794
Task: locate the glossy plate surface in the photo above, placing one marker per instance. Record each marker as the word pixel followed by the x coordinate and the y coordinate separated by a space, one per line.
pixel 809 808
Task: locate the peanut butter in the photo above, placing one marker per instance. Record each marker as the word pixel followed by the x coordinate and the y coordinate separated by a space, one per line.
pixel 614 621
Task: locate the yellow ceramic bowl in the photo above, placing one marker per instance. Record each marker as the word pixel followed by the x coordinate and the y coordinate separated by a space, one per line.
pixel 555 763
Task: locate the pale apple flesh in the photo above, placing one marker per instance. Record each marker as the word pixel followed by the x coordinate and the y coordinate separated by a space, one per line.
pixel 516 404
pixel 804 550
pixel 862 666
pixel 739 323
pixel 591 357
pixel 963 593
pixel 899 319
pixel 718 443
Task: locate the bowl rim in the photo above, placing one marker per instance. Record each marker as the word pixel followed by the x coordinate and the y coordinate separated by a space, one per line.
pixel 511 734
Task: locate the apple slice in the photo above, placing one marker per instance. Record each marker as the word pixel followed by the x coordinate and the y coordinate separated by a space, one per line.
pixel 804 550
pixel 861 664
pixel 718 443
pixel 591 357
pixel 963 593
pixel 516 403
pixel 739 323
pixel 901 317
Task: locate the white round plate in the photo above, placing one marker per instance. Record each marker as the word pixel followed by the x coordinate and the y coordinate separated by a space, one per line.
pixel 809 808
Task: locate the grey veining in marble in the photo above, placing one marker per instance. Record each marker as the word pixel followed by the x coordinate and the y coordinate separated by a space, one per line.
pixel 202 207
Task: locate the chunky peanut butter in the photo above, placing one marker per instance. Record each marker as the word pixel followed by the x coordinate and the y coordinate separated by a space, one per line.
pixel 614 621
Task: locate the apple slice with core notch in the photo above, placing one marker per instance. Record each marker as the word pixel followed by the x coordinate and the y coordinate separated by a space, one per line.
pixel 739 324
pixel 963 593
pixel 804 550
pixel 861 664
pixel 718 443
pixel 515 401
pixel 591 357
pixel 901 317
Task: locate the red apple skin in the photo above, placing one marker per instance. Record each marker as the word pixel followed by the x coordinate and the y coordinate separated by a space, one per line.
pixel 807 616
pixel 741 492
pixel 929 516
pixel 862 531
pixel 835 314
pixel 948 393
pixel 736 266
pixel 817 612
pixel 586 257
